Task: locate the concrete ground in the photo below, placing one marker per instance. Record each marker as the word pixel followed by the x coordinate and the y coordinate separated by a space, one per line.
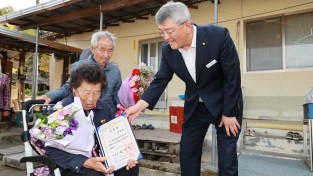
pixel 9 171
pixel 249 163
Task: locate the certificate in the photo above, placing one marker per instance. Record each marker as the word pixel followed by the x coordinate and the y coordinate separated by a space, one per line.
pixel 118 143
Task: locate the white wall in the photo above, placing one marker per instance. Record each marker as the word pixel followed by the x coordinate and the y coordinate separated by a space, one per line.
pixel 272 95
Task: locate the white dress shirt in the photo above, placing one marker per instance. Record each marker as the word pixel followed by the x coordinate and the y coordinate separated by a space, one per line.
pixel 189 56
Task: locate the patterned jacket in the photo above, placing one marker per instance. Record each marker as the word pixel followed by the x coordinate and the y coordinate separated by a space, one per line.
pixel 4 93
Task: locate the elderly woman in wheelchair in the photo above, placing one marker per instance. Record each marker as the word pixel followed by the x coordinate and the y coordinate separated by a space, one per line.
pixel 86 83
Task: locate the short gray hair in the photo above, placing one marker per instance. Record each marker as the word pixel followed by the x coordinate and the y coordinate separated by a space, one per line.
pixel 176 11
pixel 101 35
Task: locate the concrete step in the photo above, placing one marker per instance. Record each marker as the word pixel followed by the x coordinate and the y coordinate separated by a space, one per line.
pixel 11 156
pixel 157 120
pixel 11 150
pixel 158 144
pixel 174 168
pixel 270 154
pixel 13 160
pixel 273 142
pixel 5 125
pixel 11 135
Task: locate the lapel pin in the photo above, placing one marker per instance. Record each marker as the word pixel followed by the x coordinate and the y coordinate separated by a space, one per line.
pixel 203 43
pixel 102 121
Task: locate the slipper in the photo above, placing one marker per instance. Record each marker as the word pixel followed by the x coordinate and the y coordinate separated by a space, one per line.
pixel 150 127
pixel 247 133
pixel 252 133
pixel 137 127
pixel 289 135
pixel 144 126
pixel 297 137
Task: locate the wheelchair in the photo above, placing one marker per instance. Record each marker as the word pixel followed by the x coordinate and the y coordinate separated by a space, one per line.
pixel 31 144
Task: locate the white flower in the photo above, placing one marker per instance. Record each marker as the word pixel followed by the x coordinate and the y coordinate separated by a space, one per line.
pixel 58 106
pixel 51 119
pixel 60 130
pixel 37 132
pixel 64 123
pixel 37 122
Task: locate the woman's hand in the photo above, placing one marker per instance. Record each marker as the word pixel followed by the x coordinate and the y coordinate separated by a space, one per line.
pixel 96 163
pixel 131 164
pixel 6 113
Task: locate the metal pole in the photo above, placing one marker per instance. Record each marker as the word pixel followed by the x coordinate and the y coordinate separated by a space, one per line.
pixel 35 64
pixel 101 21
pixel 35 68
pixel 213 126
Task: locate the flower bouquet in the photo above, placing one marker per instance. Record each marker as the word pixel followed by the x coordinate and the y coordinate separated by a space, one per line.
pixel 134 86
pixel 67 129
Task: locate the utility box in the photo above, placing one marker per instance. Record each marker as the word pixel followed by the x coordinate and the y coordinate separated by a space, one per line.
pixel 308 111
pixel 19 119
pixel 176 118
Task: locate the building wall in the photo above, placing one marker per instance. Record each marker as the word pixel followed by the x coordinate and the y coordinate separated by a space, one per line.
pixel 275 95
pixel 56 65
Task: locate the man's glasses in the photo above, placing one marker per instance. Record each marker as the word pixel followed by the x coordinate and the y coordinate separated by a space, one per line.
pixel 169 32
pixel 103 50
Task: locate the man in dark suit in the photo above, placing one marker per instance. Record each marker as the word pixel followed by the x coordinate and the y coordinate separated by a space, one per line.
pixel 205 58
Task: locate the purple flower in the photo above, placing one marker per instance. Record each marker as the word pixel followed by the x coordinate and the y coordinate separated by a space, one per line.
pixel 73 128
pixel 73 122
pixel 67 131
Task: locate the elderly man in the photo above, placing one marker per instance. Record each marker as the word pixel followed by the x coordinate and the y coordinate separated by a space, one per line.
pixel 102 46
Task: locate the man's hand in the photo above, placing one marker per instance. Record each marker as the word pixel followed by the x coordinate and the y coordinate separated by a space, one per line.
pixel 133 112
pixel 6 113
pixel 131 164
pixel 44 97
pixel 231 125
pixel 96 163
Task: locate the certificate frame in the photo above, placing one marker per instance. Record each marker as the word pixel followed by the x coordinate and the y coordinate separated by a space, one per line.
pixel 118 143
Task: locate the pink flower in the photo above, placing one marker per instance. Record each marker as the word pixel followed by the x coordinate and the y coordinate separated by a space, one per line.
pixel 64 113
pixel 134 89
pixel 131 83
pixel 134 78
pixel 135 85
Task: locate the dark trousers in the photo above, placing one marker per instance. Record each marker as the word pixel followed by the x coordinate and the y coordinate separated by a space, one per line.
pixel 193 134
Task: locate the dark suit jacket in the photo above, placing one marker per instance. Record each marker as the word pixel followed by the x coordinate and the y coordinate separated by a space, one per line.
pixel 218 82
pixel 74 162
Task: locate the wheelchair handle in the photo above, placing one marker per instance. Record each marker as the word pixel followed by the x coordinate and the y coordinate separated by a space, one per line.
pixel 28 104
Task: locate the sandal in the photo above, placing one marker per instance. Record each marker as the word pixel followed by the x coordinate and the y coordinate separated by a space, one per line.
pixel 252 133
pixel 247 133
pixel 289 135
pixel 137 127
pixel 297 136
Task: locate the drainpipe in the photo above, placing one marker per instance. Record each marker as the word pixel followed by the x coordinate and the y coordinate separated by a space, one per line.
pixel 213 126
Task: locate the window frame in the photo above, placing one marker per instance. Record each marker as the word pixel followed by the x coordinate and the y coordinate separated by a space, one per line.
pixel 284 65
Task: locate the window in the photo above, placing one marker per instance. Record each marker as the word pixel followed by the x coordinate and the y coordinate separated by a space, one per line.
pixel 280 43
pixel 150 54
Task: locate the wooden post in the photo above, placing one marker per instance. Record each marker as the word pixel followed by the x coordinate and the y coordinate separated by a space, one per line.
pixel 21 77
